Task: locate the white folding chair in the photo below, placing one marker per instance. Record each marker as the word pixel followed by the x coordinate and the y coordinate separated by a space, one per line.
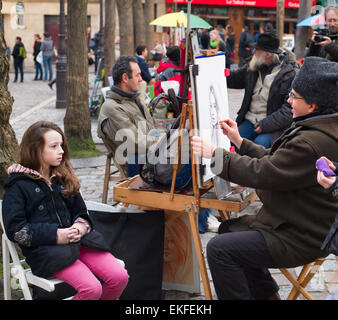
pixel 15 268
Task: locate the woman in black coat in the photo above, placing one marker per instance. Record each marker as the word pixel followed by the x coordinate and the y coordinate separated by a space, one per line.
pixel 36 50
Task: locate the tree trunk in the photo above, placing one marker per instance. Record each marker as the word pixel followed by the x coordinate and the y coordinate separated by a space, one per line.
pixel 139 24
pixel 109 39
pixel 148 17
pixel 8 142
pixel 302 33
pixel 77 119
pixel 125 10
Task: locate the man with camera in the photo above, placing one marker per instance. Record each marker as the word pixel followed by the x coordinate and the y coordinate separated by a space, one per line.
pixel 325 41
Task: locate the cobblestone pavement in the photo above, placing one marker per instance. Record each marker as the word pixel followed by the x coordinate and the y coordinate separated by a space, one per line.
pixel 35 101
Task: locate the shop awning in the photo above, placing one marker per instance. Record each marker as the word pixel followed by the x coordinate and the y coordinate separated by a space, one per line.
pixel 246 3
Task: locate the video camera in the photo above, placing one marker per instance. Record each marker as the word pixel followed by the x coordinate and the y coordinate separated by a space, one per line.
pixel 324 32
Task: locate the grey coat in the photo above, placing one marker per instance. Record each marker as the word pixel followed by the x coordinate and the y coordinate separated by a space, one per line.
pixel 47 47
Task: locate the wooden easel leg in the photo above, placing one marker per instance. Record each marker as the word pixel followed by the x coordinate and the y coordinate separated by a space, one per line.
pixel 106 178
pixel 224 215
pixel 199 253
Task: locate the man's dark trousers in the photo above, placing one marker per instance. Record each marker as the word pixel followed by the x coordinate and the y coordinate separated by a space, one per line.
pixel 18 65
pixel 238 263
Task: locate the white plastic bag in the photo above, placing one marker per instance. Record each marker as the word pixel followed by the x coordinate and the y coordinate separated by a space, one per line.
pixel 39 57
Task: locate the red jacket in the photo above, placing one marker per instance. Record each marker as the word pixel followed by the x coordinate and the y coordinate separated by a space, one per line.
pixel 165 73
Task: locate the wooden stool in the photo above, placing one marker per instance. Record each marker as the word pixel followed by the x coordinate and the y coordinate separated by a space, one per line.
pixel 108 176
pixel 306 274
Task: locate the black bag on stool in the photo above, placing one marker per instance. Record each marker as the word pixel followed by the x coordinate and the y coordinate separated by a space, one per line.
pixel 137 238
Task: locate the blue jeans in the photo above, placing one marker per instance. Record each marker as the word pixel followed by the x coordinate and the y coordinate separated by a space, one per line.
pixel 246 130
pixel 38 70
pixel 47 66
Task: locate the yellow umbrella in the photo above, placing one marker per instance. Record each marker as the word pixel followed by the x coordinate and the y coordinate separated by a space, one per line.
pixel 179 19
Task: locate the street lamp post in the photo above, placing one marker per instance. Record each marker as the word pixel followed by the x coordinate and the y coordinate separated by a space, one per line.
pixel 101 39
pixel 61 62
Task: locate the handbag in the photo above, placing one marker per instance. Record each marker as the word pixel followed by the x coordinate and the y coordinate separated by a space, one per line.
pixel 39 57
pixel 137 238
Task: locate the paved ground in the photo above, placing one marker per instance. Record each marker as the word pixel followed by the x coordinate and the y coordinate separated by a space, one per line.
pixel 35 101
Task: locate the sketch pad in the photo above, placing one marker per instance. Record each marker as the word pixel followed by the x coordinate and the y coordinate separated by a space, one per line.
pixel 210 101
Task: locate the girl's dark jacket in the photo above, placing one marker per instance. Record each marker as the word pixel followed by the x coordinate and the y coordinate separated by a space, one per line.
pixel 278 110
pixel 297 213
pixel 32 213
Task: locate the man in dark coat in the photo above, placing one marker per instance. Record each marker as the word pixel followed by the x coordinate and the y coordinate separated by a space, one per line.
pixel 245 47
pixel 265 112
pixel 141 55
pixel 18 58
pixel 297 213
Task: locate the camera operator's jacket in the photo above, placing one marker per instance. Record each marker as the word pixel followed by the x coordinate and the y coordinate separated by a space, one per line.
pixel 297 212
pixel 329 52
pixel 279 116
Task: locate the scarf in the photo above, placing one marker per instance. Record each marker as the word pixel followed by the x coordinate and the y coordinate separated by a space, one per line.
pixel 130 95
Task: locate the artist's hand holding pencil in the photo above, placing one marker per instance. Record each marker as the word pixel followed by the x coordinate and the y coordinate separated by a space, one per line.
pixel 230 129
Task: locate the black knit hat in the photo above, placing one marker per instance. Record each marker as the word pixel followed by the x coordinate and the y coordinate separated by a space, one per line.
pixel 269 42
pixel 173 53
pixel 317 82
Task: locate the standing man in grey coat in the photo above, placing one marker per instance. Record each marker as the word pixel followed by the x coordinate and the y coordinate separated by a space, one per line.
pixel 265 112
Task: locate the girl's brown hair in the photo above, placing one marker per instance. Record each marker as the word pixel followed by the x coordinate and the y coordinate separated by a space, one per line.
pixel 30 155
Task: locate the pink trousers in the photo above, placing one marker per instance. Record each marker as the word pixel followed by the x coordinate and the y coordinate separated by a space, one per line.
pixel 80 275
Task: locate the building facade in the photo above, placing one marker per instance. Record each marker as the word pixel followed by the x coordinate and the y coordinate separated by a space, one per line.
pixel 28 17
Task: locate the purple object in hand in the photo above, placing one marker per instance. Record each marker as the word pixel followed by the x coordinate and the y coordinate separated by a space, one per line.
pixel 322 166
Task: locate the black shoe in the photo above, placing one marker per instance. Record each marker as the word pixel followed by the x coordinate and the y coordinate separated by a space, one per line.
pixel 50 85
pixel 21 81
pixel 35 79
pixel 14 80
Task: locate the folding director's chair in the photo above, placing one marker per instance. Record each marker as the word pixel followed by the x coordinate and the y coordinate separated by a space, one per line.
pixel 15 268
pixel 304 277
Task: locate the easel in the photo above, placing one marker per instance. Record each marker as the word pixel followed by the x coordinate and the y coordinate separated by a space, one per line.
pixel 181 203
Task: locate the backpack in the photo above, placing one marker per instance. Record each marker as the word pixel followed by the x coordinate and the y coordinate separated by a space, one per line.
pixel 163 103
pixel 22 52
pixel 158 169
